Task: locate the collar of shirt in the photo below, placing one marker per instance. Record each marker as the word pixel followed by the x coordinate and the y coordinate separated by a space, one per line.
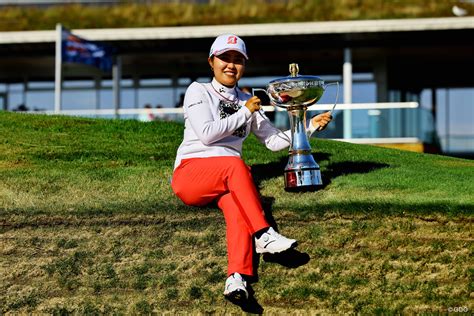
pixel 227 93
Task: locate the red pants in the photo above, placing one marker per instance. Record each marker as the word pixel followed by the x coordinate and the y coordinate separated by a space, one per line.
pixel 199 181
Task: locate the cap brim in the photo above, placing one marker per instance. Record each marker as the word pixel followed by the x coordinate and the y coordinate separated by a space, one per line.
pixel 222 51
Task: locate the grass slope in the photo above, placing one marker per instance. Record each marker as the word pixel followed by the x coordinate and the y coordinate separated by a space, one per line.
pixel 89 224
pixel 178 13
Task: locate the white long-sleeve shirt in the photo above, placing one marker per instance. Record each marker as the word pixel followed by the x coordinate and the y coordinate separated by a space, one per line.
pixel 216 122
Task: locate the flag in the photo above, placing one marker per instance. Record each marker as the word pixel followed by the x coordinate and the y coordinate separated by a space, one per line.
pixel 78 50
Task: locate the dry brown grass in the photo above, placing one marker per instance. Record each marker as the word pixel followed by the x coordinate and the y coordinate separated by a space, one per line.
pixel 133 264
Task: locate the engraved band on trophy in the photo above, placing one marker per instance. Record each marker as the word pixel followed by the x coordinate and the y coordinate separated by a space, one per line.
pixel 296 93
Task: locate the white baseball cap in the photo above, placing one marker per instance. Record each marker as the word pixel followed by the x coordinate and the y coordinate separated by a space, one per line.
pixel 226 42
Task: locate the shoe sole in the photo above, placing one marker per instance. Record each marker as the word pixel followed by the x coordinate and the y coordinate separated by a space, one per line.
pixel 263 250
pixel 237 295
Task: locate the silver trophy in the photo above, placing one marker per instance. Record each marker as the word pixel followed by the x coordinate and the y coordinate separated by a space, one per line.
pixel 296 93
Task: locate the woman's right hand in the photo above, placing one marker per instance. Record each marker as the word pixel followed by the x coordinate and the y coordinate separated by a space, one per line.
pixel 253 104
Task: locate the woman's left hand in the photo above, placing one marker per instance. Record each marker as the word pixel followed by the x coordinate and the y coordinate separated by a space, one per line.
pixel 321 121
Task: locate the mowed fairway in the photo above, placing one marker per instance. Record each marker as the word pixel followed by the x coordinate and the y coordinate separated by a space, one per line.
pixel 89 224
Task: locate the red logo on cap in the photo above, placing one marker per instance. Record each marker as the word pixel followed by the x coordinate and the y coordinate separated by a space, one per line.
pixel 232 40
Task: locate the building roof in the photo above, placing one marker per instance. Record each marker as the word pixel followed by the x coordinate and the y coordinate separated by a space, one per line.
pixel 249 30
pixel 415 52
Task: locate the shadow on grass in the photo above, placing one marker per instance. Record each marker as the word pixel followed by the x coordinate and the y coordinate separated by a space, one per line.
pixel 338 169
pixel 249 305
pixel 291 258
pixel 261 172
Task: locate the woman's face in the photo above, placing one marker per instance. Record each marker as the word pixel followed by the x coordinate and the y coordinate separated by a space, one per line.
pixel 228 67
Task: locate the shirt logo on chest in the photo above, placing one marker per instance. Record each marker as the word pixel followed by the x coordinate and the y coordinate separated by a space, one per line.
pixel 227 108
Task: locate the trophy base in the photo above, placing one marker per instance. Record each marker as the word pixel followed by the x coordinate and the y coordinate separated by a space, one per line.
pixel 303 180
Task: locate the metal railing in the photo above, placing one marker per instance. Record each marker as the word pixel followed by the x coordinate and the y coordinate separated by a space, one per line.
pixel 414 135
pixel 266 108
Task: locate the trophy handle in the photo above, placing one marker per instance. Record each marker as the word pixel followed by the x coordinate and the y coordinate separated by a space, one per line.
pixel 317 127
pixel 337 93
pixel 266 93
pixel 258 89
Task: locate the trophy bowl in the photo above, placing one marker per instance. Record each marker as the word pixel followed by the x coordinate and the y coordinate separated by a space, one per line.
pixel 299 91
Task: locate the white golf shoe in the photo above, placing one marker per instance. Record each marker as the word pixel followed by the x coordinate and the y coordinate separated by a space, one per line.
pixel 236 287
pixel 273 242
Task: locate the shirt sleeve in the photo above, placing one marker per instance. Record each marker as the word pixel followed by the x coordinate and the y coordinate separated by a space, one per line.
pixel 311 128
pixel 199 114
pixel 273 138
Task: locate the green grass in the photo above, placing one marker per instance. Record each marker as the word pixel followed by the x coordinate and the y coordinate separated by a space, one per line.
pixel 183 13
pixel 89 224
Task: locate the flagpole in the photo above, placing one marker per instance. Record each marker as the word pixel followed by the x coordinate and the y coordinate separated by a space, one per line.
pixel 117 74
pixel 58 70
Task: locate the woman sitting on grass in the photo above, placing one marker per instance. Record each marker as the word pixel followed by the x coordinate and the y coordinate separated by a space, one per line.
pixel 218 117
